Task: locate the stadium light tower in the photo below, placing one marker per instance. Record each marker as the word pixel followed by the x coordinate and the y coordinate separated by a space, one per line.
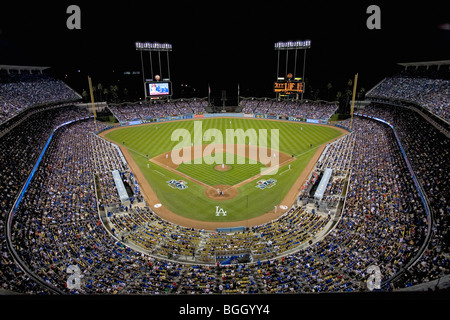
pixel 154 47
pixel 292 46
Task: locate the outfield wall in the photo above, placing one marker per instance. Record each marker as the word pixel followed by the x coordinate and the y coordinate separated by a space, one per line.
pixel 232 115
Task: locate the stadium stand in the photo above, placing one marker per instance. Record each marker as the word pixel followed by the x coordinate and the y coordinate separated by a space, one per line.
pixel 157 109
pixel 69 213
pixel 19 91
pixel 429 88
pixel 305 110
pixel 383 220
pixel 428 151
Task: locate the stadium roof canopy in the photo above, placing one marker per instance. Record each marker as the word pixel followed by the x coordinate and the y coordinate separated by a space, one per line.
pixel 425 63
pixel 19 69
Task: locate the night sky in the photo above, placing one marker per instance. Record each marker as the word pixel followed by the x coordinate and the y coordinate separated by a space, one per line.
pixel 225 43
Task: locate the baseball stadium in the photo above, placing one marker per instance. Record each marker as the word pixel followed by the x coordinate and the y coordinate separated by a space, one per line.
pixel 171 194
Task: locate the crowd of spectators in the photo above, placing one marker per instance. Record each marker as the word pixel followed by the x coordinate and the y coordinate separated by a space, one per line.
pixel 165 108
pixel 383 221
pixel 427 149
pixel 19 91
pixel 107 158
pixel 57 225
pixel 20 148
pixel 305 110
pixel 337 156
pixel 433 94
pixel 166 240
pixel 158 109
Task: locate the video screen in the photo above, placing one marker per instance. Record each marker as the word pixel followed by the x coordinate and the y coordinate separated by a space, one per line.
pixel 158 89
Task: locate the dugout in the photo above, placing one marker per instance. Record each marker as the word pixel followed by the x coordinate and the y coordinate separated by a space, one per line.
pixel 231 229
pixel 318 195
pixel 123 194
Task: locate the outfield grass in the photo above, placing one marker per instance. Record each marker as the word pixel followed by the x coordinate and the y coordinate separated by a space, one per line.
pixel 145 142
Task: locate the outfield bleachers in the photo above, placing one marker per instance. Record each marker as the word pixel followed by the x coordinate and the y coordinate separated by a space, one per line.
pixel 157 109
pixel 20 91
pixel 305 110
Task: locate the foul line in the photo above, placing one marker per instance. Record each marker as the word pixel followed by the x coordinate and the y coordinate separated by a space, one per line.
pixel 130 149
pixel 159 172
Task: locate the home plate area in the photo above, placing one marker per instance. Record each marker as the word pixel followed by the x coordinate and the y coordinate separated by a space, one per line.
pixel 221 192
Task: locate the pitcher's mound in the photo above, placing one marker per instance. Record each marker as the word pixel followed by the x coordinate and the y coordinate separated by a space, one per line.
pixel 220 167
pixel 221 192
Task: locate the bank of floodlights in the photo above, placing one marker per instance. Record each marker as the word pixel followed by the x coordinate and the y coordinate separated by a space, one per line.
pixel 153 46
pixel 292 45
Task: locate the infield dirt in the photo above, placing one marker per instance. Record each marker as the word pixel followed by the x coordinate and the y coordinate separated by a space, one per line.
pixel 228 192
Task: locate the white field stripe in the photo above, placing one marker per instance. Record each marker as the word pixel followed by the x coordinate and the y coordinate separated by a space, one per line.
pixel 159 172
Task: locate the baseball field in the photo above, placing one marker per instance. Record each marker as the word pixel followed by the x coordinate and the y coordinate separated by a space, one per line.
pixel 199 171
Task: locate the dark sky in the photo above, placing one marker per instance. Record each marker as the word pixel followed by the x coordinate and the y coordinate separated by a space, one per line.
pixel 225 43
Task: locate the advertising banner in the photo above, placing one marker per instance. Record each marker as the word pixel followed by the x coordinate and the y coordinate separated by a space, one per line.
pixel 132 123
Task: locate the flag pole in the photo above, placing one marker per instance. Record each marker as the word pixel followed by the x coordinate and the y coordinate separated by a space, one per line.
pixel 238 96
pixel 209 95
pixel 93 104
pixel 353 99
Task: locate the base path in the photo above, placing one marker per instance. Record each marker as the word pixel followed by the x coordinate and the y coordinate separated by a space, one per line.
pixel 277 159
pixel 221 192
pixel 266 156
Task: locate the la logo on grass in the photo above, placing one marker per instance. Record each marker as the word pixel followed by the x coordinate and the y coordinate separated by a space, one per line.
pixel 220 211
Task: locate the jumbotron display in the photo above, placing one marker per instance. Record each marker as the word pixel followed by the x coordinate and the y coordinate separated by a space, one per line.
pixel 155 89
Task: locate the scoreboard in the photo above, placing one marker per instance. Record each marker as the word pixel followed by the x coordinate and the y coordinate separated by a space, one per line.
pixel 288 87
